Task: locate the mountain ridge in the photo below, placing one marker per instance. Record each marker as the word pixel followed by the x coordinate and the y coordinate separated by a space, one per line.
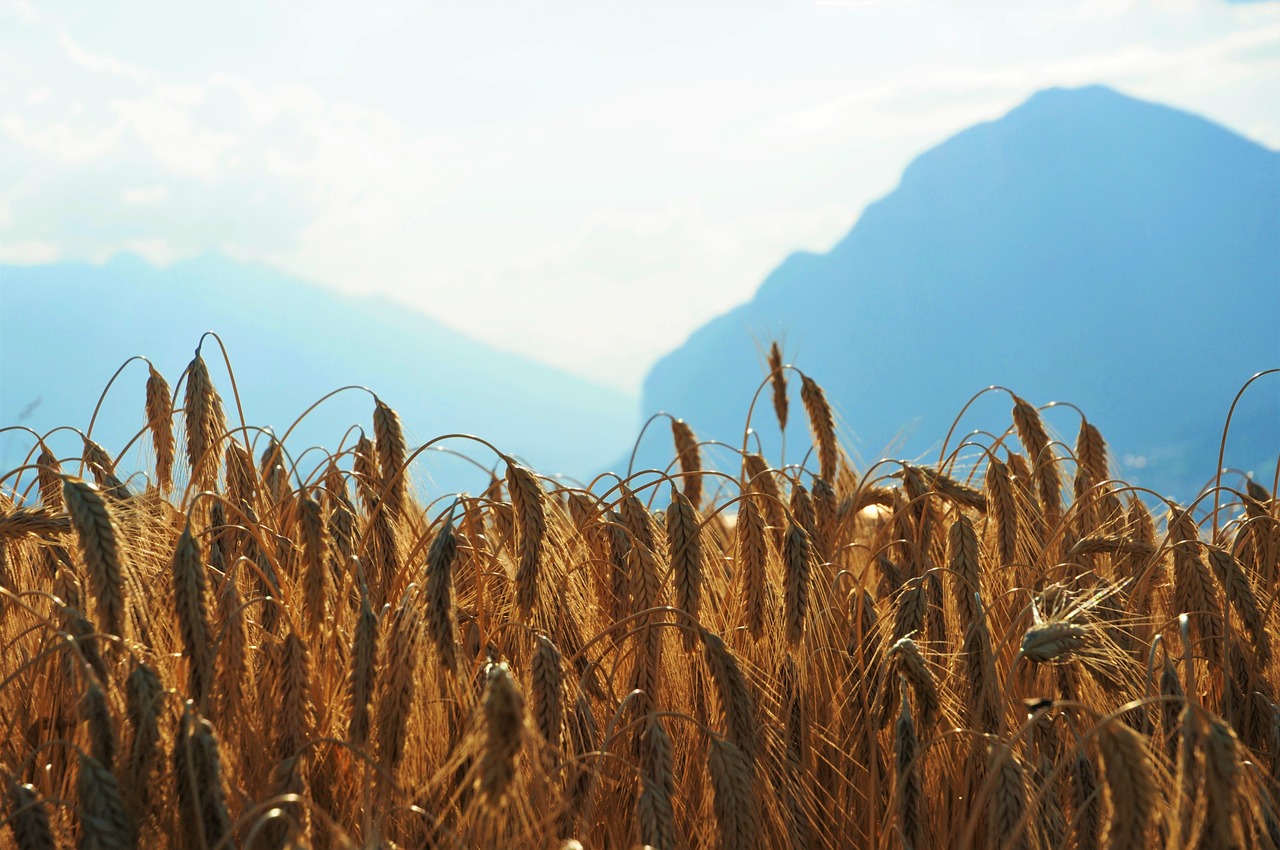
pixel 289 343
pixel 1080 207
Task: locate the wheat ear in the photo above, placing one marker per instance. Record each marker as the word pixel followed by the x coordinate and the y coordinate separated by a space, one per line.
pixel 529 504
pixel 29 818
pixel 205 424
pixel 797 559
pixel 1194 591
pixel 203 820
pixel 104 824
pixel 654 812
pixel 291 698
pixel 1008 801
pixel 400 656
pixel 49 476
pixel 96 528
pixel 441 620
pixel 1091 452
pixel 159 410
pixel 39 520
pixel 102 729
pixel 752 560
pixel 1128 770
pixel 103 469
pixel 690 459
pixel 392 451
pixel 1242 597
pixel 314 533
pixel 778 382
pixel 735 699
pixel 360 681
pixel 1035 439
pixel 733 787
pixel 1002 511
pixel 547 691
pixel 912 810
pixel 191 601
pixel 822 424
pixel 503 710
pixel 684 542
pixel 144 701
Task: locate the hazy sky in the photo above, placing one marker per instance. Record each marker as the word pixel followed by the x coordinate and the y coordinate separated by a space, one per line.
pixel 584 183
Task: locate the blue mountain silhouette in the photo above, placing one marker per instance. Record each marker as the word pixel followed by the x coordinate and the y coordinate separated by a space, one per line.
pixel 67 327
pixel 1086 247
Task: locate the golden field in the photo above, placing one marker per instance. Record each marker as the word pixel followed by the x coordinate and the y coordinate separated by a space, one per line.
pixel 236 643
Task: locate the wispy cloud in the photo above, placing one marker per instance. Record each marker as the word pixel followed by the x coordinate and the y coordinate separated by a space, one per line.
pixel 682 170
pixel 99 63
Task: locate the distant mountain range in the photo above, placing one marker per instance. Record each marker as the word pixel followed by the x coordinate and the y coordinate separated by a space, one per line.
pixel 67 327
pixel 1086 247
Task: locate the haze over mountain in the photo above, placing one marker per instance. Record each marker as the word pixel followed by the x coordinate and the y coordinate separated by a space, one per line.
pixel 1086 247
pixel 67 327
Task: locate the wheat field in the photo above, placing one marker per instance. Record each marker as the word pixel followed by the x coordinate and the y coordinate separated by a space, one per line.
pixel 215 640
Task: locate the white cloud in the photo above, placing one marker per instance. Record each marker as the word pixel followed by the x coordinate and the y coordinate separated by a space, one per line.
pixel 682 170
pixel 60 140
pixel 30 252
pixel 99 64
pixel 145 195
pixel 22 9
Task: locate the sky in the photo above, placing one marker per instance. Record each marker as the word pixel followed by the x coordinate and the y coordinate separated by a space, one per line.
pixel 582 183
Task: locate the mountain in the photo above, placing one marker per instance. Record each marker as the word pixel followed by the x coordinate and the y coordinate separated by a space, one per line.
pixel 67 327
pixel 1086 247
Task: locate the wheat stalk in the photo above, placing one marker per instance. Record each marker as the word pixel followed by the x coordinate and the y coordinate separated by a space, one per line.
pixel 733 787
pixel 684 542
pixel 104 824
pixel 1044 466
pixel 314 535
pixel 190 596
pixel 822 424
pixel 441 621
pixel 1194 591
pixel 654 813
pixel 205 424
pixel 529 504
pixel 797 560
pixel 203 819
pixel 96 528
pixel 103 469
pixel 159 410
pixel 392 451
pixel 778 382
pixel 1002 510
pixel 690 460
pixel 291 696
pixel 399 663
pixel 911 809
pixel 503 711
pixel 548 704
pixel 29 818
pixel 735 699
pixel 360 680
pixel 752 558
pixel 144 701
pixel 38 520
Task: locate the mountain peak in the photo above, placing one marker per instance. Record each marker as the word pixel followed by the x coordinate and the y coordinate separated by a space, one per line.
pixel 1059 250
pixel 1092 93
